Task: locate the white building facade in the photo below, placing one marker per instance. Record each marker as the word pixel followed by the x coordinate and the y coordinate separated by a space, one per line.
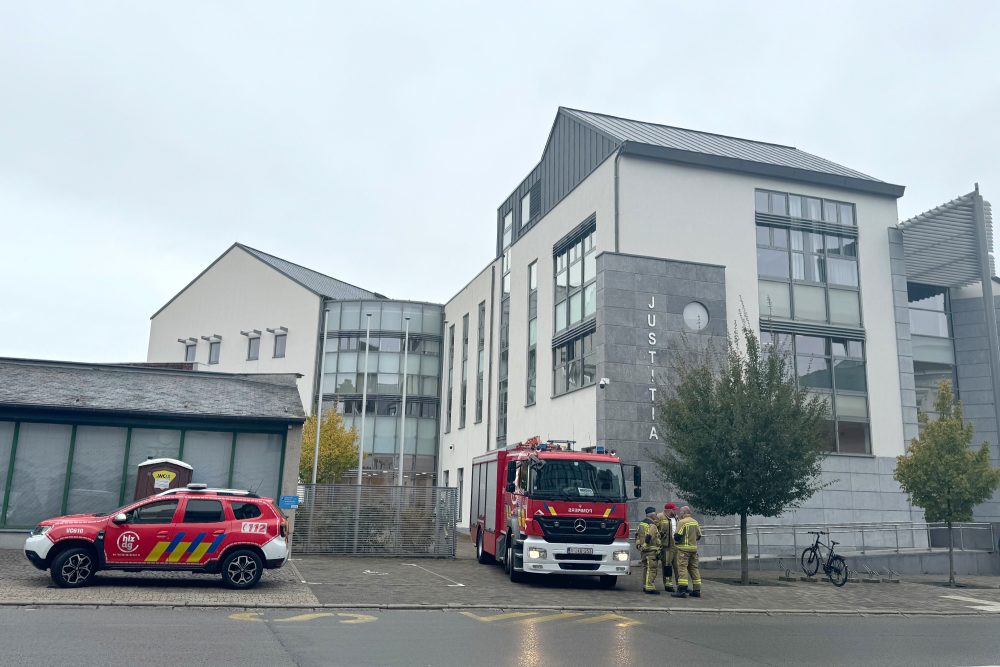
pixel 629 238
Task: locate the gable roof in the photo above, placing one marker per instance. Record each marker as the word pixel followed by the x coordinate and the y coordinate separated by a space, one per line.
pixel 106 388
pixel 720 151
pixel 314 281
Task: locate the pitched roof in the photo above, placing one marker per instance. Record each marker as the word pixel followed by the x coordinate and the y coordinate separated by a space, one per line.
pixel 725 148
pixel 106 388
pixel 314 281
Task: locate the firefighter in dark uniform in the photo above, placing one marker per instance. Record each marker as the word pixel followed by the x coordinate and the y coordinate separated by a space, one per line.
pixel 647 542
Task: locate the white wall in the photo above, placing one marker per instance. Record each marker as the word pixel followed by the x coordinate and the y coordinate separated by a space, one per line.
pixel 703 215
pixel 240 293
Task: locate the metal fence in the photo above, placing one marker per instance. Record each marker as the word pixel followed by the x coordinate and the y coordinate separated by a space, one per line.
pixel 384 520
pixel 789 540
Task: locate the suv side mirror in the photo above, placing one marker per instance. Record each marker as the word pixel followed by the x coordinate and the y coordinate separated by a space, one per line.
pixel 119 518
pixel 510 487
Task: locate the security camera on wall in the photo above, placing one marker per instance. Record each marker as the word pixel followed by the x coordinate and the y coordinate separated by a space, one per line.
pixel 604 383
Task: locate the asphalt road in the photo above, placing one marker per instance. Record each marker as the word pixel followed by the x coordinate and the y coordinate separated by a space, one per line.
pixel 156 636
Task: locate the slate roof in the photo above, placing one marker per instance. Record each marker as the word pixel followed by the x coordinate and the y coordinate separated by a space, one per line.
pixel 59 385
pixel 717 145
pixel 314 281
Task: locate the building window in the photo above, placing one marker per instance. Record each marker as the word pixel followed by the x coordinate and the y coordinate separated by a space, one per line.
pixel 508 229
pixel 461 490
pixel 279 345
pixel 480 361
pixel 532 365
pixel 502 383
pixel 574 364
pixel 451 376
pixel 833 368
pixel 805 208
pixel 575 271
pixel 214 347
pixel 526 210
pixel 190 350
pixel 933 347
pixel 810 276
pixel 465 371
pixel 253 349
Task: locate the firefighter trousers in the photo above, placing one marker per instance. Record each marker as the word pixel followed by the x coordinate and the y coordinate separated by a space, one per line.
pixel 687 569
pixel 668 559
pixel 649 569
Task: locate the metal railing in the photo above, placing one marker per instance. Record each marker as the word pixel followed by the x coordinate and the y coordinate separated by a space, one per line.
pixel 347 519
pixel 773 540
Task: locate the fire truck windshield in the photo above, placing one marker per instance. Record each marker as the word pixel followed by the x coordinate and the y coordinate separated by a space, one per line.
pixel 562 479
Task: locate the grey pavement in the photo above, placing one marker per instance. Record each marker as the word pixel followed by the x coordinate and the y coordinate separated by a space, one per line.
pixel 313 581
pixel 116 636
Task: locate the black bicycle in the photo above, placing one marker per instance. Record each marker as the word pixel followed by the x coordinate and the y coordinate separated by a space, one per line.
pixel 835 566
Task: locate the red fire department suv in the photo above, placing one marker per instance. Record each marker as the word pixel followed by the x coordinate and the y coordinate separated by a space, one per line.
pixel 194 529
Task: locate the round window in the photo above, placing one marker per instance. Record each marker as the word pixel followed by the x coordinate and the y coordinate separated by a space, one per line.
pixel 695 316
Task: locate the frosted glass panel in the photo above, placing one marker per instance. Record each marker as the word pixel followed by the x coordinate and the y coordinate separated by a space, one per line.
pixel 851 406
pixel 937 350
pixel 208 453
pixel 96 479
pixel 350 316
pixel 256 467
pixel 844 307
pixel 810 303
pixel 36 491
pixel 774 300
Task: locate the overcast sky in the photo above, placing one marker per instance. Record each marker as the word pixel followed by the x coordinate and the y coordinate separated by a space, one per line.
pixel 374 140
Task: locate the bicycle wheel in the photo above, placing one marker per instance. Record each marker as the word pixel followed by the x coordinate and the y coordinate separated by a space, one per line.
pixel 837 571
pixel 810 561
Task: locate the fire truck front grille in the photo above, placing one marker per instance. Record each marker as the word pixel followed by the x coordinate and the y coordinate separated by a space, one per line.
pixel 579 556
pixel 585 567
pixel 578 530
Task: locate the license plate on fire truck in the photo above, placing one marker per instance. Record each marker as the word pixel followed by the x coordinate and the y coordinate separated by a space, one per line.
pixel 583 551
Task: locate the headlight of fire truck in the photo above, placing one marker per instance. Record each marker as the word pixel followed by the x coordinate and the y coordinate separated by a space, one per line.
pixel 621 555
pixel 536 553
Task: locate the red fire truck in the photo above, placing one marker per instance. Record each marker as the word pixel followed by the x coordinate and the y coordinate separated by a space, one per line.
pixel 540 507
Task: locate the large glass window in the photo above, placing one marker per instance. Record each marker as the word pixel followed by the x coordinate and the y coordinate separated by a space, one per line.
pixel 575 271
pixel 574 365
pixel 808 276
pixel 280 341
pixel 465 372
pixel 804 208
pixel 480 359
pixel 253 349
pixel 96 478
pixel 36 490
pixel 502 382
pixel 929 310
pixel 532 361
pixel 451 377
pixel 214 349
pixel 208 453
pixel 835 369
pixel 256 466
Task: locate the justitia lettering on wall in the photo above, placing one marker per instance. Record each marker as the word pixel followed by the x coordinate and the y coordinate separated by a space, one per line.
pixel 651 338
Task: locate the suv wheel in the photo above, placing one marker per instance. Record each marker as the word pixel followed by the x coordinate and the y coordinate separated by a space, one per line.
pixel 242 569
pixel 73 568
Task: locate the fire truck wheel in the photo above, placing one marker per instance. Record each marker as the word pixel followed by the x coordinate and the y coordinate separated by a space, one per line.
pixel 608 580
pixel 481 554
pixel 515 576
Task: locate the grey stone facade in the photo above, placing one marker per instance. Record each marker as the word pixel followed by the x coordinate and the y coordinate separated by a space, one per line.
pixel 904 345
pixel 975 386
pixel 628 329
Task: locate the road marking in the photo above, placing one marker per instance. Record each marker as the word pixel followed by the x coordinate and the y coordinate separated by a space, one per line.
pixel 453 583
pixel 246 616
pixel 305 617
pixel 375 573
pixel 358 618
pixel 978 604
pixel 624 622
pixel 553 617
pixel 499 617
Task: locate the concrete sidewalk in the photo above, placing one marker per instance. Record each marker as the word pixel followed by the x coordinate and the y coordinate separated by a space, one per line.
pixel 348 582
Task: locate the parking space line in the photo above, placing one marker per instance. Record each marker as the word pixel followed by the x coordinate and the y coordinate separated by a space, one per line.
pixel 499 617
pixel 624 621
pixel 552 617
pixel 453 582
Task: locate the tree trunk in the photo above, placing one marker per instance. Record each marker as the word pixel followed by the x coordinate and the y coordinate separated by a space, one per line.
pixel 744 558
pixel 951 558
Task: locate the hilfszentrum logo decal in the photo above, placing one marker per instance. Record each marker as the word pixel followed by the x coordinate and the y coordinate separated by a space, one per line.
pixel 128 542
pixel 580 525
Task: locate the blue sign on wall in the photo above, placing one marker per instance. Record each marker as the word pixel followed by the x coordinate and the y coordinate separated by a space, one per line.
pixel 288 502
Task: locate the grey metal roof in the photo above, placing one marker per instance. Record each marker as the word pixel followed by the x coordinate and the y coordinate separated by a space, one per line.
pixel 943 245
pixel 719 146
pixel 106 388
pixel 314 281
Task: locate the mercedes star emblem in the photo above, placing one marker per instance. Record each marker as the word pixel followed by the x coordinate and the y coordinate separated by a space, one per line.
pixel 580 525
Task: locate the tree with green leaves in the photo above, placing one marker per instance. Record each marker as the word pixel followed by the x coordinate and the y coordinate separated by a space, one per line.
pixel 942 473
pixel 742 438
pixel 338 449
